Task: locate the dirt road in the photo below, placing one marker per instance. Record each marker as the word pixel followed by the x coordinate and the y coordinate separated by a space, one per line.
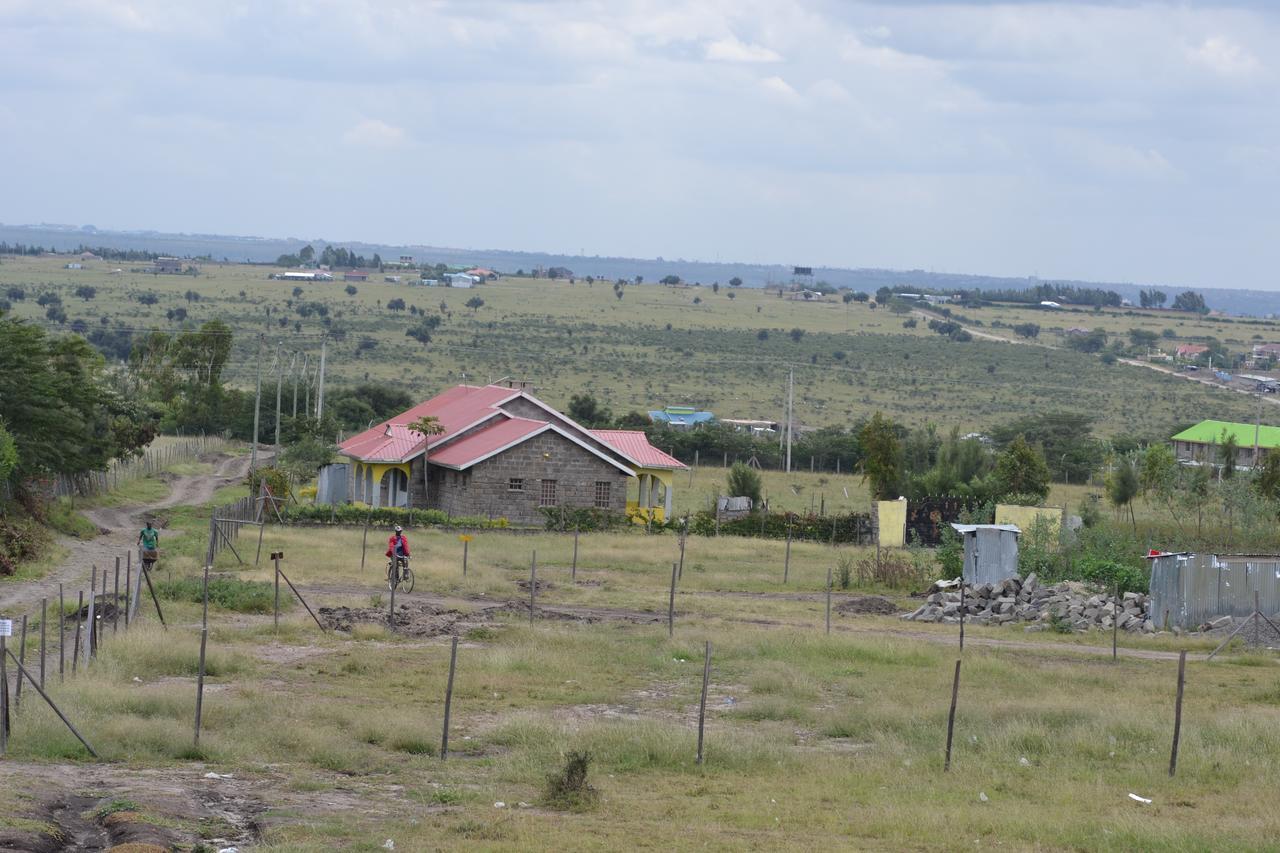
pixel 120 526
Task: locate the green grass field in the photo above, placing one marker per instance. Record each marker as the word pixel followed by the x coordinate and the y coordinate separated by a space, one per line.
pixel 813 741
pixel 655 346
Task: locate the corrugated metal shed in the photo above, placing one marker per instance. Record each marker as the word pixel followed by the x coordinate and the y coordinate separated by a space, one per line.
pixel 990 552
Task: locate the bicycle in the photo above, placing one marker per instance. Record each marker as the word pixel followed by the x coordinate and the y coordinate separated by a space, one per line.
pixel 399 575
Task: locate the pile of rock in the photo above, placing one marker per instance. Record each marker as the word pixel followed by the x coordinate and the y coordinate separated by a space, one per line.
pixel 1018 600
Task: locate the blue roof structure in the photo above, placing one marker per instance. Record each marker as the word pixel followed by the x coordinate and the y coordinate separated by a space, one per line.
pixel 681 416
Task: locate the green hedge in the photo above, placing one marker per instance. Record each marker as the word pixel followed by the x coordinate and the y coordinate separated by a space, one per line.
pixel 350 514
pixel 850 528
pixel 586 519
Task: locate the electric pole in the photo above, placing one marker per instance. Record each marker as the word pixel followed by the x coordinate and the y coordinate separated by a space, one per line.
pixel 306 381
pixel 279 379
pixel 293 364
pixel 257 404
pixel 791 385
pixel 324 343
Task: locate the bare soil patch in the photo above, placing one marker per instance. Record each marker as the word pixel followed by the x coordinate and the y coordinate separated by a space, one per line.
pixel 861 605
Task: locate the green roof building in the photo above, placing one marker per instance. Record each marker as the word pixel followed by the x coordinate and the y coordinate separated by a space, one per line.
pixel 1199 444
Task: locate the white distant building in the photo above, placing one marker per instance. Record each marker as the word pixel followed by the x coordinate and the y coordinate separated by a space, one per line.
pixel 1047 304
pixel 460 279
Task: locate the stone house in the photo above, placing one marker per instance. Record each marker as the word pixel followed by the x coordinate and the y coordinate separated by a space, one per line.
pixel 503 453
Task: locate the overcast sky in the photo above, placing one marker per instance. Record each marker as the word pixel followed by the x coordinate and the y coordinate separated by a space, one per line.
pixel 1109 141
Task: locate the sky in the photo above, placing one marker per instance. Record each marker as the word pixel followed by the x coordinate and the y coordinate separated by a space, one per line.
pixel 1110 141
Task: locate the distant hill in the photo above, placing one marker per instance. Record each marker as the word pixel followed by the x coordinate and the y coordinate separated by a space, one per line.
pixel 265 250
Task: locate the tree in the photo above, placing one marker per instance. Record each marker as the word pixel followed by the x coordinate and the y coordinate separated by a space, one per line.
pixel 1144 338
pixel 475 303
pixel 670 279
pixel 396 304
pixel 584 409
pixel 60 408
pixel 715 287
pixel 735 282
pixel 1093 341
pixel 882 457
pixel 192 296
pixel 1189 300
pixel 147 299
pixel 697 300
pixel 744 482
pixel 426 426
pixel 1066 438
pixel 420 333
pixel 86 292
pixel 1027 330
pixel 1228 454
pixel 1267 479
pixel 1152 298
pixel 1021 470
pixel 307 254
pixel 762 335
pixel 350 289
pixel 1123 486
pixel 297 291
pixel 796 334
pixel 847 297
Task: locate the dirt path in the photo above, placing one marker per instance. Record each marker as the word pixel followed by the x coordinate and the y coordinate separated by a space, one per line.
pixel 120 527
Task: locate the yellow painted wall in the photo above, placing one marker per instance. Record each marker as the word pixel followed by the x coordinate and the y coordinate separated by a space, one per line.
pixel 893 523
pixel 1025 516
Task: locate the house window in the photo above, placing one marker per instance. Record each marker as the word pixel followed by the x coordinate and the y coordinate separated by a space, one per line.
pixel 604 491
pixel 515 484
pixel 548 496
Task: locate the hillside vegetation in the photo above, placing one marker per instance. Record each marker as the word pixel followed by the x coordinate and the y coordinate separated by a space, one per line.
pixel 727 349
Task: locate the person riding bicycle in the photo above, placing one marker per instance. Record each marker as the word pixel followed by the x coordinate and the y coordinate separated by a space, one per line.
pixel 398 546
pixel 149 543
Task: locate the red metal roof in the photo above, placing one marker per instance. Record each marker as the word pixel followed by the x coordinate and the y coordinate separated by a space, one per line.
pixel 484 443
pixel 635 445
pixel 475 427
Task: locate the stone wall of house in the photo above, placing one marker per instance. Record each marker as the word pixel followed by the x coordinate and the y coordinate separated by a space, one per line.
pixel 486 489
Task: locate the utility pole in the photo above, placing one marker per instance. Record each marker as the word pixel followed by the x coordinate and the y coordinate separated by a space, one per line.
pixel 324 343
pixel 306 380
pixel 293 364
pixel 279 379
pixel 1257 428
pixel 791 382
pixel 257 404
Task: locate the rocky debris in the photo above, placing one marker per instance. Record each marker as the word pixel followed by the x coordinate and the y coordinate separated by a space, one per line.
pixel 1029 601
pixel 861 605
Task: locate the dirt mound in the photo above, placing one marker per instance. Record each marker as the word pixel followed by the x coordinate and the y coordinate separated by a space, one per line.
pixel 415 619
pixel 867 605
pixel 541 584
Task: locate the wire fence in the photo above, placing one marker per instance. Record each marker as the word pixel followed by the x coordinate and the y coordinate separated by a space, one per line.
pixel 154 459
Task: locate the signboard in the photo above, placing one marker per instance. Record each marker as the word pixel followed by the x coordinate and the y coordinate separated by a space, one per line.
pixel 6 627
pixel 802 271
pixel 465 537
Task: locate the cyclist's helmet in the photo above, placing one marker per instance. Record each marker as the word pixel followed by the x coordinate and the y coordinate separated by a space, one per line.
pixel 399 529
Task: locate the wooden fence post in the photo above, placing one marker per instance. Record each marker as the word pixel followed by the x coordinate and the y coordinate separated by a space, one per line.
pixel 1177 712
pixel 702 704
pixel 22 657
pixel 951 716
pixel 671 604
pixel 573 570
pixel 44 619
pixel 448 699
pixel 533 584
pixel 786 560
pixel 115 607
pixel 62 636
pixel 364 541
pixel 275 558
pixel 75 648
pixel 828 599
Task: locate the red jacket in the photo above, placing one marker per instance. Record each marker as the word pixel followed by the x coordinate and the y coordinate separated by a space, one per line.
pixel 391 544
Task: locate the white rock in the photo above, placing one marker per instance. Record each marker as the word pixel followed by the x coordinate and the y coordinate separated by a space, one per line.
pixel 1023 761
pixel 982 797
pixel 389 844
pixel 499 805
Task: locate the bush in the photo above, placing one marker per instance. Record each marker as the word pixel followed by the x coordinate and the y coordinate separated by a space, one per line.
pixel 277 480
pixel 586 519
pixel 567 789
pixel 1109 573
pixel 744 481
pixel 227 593
pixel 356 514
pixel 21 539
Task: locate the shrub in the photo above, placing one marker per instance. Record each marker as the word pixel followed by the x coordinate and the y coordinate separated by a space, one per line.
pixel 1108 573
pixel 744 481
pixel 227 593
pixel 582 518
pixel 356 514
pixel 568 789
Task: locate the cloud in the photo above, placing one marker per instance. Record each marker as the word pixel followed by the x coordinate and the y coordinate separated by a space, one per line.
pixel 780 88
pixel 374 133
pixel 732 50
pixel 1223 56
